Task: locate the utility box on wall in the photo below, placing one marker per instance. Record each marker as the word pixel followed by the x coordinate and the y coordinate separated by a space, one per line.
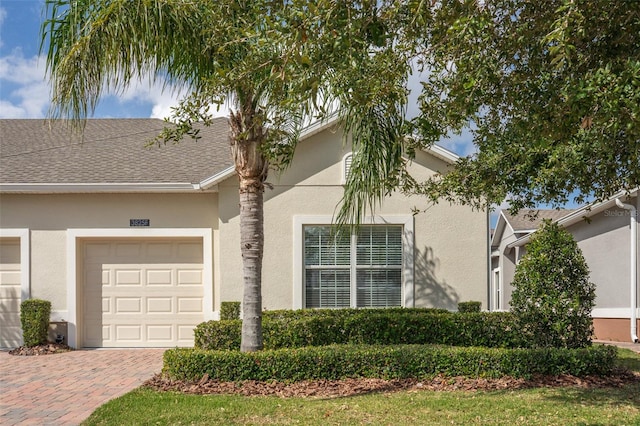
pixel 58 332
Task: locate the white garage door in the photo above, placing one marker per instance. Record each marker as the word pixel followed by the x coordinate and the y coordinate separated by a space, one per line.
pixel 141 293
pixel 10 329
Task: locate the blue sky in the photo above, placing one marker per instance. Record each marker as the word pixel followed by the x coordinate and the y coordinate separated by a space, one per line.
pixel 24 91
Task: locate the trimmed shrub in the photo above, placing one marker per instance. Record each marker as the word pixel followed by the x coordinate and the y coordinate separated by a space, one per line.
pixel 469 307
pixel 369 326
pixel 34 318
pixel 552 297
pixel 343 313
pixel 221 335
pixel 387 362
pixel 229 311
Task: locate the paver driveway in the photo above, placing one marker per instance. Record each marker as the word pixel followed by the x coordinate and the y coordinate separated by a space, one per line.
pixel 64 389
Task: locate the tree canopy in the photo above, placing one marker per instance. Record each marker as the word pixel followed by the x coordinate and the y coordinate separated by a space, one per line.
pixel 549 90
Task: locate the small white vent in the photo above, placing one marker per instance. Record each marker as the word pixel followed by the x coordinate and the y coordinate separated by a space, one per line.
pixel 346 167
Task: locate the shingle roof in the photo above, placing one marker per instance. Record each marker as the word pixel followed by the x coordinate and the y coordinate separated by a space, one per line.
pixel 110 151
pixel 527 220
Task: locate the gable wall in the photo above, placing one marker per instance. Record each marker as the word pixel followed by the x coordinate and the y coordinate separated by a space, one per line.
pixel 450 241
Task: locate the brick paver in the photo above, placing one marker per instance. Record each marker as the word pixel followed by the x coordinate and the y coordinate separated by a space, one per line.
pixel 64 389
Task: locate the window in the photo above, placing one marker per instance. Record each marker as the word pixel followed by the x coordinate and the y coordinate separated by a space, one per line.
pixel 360 270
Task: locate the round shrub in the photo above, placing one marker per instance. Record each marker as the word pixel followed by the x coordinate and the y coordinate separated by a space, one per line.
pixel 34 318
pixel 553 298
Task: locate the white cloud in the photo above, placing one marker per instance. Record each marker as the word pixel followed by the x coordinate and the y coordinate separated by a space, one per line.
pixel 28 93
pixel 9 110
pixel 15 68
pixel 161 98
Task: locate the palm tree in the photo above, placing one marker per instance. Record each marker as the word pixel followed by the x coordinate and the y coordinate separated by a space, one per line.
pixel 274 62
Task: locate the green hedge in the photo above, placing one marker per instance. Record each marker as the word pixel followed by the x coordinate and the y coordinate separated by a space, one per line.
pixel 467 307
pixel 229 310
pixel 293 329
pixel 386 362
pixel 289 314
pixel 34 318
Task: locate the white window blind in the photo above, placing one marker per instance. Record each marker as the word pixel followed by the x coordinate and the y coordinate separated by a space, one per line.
pixel 363 270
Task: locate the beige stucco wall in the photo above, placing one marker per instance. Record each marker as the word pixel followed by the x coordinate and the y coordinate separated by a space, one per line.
pixel 49 216
pixel 450 241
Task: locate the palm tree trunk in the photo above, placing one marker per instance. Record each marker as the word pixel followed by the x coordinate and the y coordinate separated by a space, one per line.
pixel 252 242
pixel 247 137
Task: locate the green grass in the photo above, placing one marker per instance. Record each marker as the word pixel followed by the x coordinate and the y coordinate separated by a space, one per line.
pixel 560 406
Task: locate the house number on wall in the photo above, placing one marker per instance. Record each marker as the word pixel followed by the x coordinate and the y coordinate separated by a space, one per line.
pixel 138 222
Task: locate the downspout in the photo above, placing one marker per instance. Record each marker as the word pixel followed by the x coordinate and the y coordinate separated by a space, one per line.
pixel 634 265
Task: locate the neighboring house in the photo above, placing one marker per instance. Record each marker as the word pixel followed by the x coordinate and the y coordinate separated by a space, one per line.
pixel 134 246
pixel 603 233
pixel 504 257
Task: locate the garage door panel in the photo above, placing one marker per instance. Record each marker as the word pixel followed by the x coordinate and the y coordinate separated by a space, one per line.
pixel 95 333
pixel 127 277
pixel 160 305
pixel 10 293
pixel 10 301
pixel 154 297
pixel 189 305
pixel 160 277
pixel 189 277
pixel 128 305
pixel 160 333
pixel 128 333
pixel 9 278
pixel 185 333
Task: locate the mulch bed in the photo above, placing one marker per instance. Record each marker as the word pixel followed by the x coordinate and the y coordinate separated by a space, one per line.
pixel 352 387
pixel 48 349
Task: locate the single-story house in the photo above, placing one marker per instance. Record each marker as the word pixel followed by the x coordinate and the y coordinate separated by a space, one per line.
pixel 135 245
pixel 604 233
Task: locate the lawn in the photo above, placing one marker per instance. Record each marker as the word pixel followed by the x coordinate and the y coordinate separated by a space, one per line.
pixel 545 406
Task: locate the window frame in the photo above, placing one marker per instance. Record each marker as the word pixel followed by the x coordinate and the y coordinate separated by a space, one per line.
pixel 407 270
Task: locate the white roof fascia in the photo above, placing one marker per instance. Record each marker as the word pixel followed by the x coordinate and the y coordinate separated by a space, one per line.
pixel 218 177
pixel 318 126
pixel 500 225
pixel 578 215
pixel 97 187
pixel 443 153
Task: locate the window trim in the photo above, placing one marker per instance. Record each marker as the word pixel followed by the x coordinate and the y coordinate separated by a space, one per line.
pixel 408 247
